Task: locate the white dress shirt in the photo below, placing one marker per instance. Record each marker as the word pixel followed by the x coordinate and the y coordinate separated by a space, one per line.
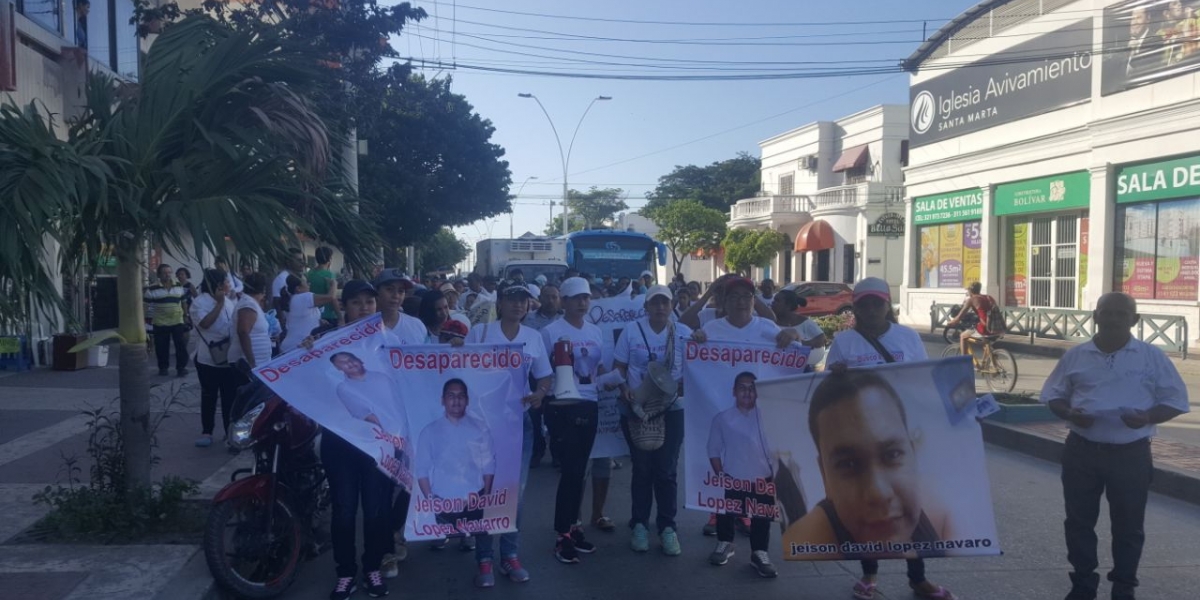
pixel 736 438
pixel 455 456
pixel 375 394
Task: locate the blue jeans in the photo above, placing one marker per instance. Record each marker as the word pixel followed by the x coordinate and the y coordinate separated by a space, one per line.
pixel 655 480
pixel 510 542
pixel 353 476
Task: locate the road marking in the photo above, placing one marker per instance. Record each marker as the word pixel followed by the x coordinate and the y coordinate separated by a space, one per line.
pixel 43 438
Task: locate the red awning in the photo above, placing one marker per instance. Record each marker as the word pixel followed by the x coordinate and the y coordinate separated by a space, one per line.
pixel 815 235
pixel 853 158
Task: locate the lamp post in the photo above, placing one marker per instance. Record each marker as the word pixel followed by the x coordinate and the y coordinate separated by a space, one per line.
pixel 566 158
pixel 512 210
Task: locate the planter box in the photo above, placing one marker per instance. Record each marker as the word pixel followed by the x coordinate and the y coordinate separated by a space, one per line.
pixel 1022 413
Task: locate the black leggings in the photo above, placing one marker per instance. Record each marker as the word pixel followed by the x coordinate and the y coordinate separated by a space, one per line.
pixel 573 431
pixel 216 381
pixel 916 569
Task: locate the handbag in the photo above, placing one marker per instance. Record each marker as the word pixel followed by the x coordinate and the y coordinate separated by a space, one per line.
pixel 218 350
pixel 649 432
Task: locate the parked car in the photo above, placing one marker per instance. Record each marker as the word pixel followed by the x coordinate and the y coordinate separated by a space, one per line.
pixel 824 298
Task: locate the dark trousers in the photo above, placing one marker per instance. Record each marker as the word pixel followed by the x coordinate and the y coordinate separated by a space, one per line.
pixel 1122 473
pixel 216 381
pixel 916 569
pixel 164 336
pixel 539 435
pixel 760 527
pixel 655 479
pixel 400 509
pixel 353 477
pixel 573 430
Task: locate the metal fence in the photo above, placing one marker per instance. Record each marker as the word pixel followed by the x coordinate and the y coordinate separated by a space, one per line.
pixel 1168 331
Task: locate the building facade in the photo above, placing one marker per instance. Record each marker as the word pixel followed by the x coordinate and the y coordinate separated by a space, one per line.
pixel 836 189
pixel 1054 157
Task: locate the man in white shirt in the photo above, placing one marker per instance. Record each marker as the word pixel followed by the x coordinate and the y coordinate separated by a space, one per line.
pixel 392 287
pixel 456 461
pixel 1113 390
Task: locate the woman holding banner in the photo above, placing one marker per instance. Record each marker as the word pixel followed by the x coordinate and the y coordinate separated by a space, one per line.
pixel 654 471
pixel 434 311
pixel 877 339
pixel 304 309
pixel 513 304
pixel 785 303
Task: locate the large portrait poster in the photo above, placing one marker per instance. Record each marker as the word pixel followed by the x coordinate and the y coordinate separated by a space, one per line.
pixel 1148 41
pixel 732 464
pixel 883 462
pixel 465 418
pixel 611 315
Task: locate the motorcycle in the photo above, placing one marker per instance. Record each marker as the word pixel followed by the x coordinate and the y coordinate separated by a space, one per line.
pixel 265 521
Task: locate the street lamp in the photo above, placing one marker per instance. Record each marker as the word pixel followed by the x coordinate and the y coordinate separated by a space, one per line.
pixel 566 158
pixel 512 210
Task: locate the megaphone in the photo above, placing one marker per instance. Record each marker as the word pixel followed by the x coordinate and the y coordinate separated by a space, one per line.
pixel 564 372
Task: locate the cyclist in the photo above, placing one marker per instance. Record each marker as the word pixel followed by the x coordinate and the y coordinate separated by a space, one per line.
pixel 979 304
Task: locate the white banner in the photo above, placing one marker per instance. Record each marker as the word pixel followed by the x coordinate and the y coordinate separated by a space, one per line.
pixel 611 315
pixel 897 468
pixel 730 461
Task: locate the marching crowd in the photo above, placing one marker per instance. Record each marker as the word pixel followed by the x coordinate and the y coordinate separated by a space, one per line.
pixel 1111 390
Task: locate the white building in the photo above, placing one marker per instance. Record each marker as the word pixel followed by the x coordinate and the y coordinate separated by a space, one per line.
pixel 835 188
pixel 1057 178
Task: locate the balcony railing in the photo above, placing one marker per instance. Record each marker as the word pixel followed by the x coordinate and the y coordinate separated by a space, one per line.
pixel 858 194
pixel 765 207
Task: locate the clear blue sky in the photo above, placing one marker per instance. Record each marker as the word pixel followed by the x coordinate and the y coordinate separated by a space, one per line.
pixel 651 126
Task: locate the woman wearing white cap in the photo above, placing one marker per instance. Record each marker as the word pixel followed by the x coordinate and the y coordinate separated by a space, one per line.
pixel 877 339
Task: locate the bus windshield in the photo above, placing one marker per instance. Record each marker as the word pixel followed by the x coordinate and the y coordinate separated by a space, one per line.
pixel 618 254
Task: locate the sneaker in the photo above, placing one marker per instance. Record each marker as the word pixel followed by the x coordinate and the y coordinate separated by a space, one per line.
pixel 762 563
pixel 344 589
pixel 389 566
pixel 710 528
pixel 467 544
pixel 581 543
pixel 376 588
pixel 670 542
pixel 564 550
pixel 640 542
pixel 485 578
pixel 721 554
pixel 742 525
pixel 204 441
pixel 513 569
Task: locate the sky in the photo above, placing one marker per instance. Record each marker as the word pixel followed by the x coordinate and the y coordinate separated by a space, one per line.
pixel 649 127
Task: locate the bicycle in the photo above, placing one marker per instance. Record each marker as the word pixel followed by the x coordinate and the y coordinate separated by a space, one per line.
pixel 998 366
pixel 969 321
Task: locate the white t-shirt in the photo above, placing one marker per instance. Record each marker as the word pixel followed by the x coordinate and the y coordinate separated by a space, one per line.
pixel 279 283
pixel 408 330
pixel 587 347
pixel 221 328
pixel 631 349
pixel 303 317
pixel 454 457
pixel 707 315
pixel 260 339
pixel 809 330
pixel 852 348
pixel 535 348
pixel 758 330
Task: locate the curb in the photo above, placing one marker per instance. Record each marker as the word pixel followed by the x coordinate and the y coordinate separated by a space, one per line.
pixel 1168 481
pixel 192 582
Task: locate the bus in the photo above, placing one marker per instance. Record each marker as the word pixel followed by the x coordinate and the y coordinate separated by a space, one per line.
pixel 600 252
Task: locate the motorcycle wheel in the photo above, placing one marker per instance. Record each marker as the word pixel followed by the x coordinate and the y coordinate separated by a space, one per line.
pixel 243 558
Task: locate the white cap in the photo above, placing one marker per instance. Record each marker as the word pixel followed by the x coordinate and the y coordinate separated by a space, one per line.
pixel 659 290
pixel 647 274
pixel 575 286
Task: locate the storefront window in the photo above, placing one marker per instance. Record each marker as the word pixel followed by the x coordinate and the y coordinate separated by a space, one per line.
pixel 1046 262
pixel 950 255
pixel 1158 244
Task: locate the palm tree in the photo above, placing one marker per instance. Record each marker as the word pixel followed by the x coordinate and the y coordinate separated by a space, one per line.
pixel 217 142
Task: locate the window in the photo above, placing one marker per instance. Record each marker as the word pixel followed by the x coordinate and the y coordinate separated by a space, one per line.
pixel 904 153
pixel 848 263
pixel 856 175
pixel 43 12
pixel 787 186
pixel 950 255
pixel 1158 247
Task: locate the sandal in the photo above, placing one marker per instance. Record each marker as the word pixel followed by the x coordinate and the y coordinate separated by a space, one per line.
pixel 604 524
pixel 864 590
pixel 940 593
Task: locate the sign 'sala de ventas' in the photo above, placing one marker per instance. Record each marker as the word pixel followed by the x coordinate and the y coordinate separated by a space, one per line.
pixel 963 205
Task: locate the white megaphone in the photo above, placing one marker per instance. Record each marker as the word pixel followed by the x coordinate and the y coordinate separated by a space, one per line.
pixel 564 372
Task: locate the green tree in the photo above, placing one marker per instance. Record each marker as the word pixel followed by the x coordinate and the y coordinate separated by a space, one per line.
pixel 688 226
pixel 748 248
pixel 718 185
pixel 442 250
pixel 593 209
pixel 216 142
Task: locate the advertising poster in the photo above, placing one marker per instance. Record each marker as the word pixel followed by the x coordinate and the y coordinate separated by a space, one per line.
pixel 465 418
pixel 929 257
pixel 611 315
pixel 1176 267
pixel 1140 244
pixel 950 256
pixel 732 467
pixel 887 462
pixel 1085 234
pixel 972 251
pixel 1016 288
pixel 1151 40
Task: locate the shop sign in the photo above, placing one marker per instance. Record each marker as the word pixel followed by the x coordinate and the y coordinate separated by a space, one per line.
pixel 963 205
pixel 889 224
pixel 1058 192
pixel 1178 178
pixel 1046 73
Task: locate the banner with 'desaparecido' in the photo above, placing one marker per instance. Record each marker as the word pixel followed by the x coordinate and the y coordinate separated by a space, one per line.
pixel 611 315
pixel 731 464
pixel 881 462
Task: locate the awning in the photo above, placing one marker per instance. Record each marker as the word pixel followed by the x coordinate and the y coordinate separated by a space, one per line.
pixel 815 235
pixel 851 159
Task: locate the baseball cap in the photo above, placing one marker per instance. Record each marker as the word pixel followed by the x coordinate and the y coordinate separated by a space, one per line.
pixel 540 279
pixel 647 274
pixel 454 328
pixel 387 276
pixel 508 287
pixel 355 287
pixel 448 287
pixel 575 286
pixel 739 282
pixel 659 290
pixel 872 286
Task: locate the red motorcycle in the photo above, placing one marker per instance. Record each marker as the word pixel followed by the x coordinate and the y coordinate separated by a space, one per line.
pixel 264 522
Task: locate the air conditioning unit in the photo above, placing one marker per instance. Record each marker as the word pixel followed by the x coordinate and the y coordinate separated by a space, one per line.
pixel 808 163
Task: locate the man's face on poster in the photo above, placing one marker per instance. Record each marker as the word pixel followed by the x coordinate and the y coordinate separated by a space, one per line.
pixel 1137 22
pixel 349 365
pixel 869 467
pixel 745 393
pixel 454 400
